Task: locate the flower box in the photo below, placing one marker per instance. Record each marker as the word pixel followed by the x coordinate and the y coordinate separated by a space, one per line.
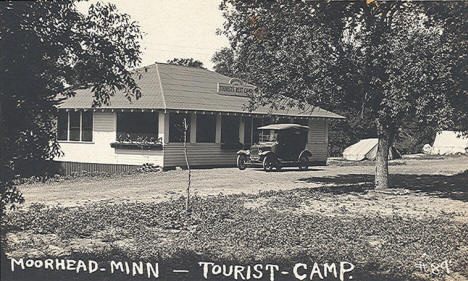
pixel 137 145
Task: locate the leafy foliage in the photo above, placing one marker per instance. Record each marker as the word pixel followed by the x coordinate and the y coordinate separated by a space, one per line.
pixel 344 133
pixel 186 62
pixel 410 138
pixel 392 62
pixel 49 50
pixel 224 62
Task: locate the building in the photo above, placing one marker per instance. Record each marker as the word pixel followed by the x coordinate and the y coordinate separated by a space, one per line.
pixel 123 134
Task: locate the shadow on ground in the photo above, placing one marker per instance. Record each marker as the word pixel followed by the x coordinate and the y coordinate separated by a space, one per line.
pixel 289 169
pixel 453 187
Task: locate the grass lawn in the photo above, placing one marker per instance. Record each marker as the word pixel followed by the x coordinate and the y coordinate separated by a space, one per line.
pixel 386 236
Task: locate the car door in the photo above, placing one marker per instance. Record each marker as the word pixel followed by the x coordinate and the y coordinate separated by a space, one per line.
pixel 286 150
pixel 296 144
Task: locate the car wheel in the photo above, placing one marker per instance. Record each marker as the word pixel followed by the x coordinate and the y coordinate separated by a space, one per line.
pixel 278 166
pixel 268 163
pixel 241 162
pixel 303 163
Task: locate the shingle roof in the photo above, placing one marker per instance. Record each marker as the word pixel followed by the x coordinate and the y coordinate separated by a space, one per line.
pixel 174 87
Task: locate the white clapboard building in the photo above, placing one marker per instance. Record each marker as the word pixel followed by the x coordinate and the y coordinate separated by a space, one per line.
pixel 124 134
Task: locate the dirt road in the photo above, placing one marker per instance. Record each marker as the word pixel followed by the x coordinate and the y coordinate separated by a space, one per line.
pixel 433 175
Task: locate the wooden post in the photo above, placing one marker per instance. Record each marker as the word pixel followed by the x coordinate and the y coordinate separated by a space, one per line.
pixel 162 127
pixel 242 130
pixel 193 128
pixel 218 128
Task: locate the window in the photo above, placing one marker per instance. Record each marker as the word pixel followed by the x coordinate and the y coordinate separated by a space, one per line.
pixel 206 128
pixel 259 122
pixel 230 129
pixel 75 126
pixel 62 125
pixel 87 126
pixel 176 127
pixel 137 126
pixel 269 136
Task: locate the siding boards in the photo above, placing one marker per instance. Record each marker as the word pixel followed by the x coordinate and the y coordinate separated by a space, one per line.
pixel 138 157
pixel 213 155
pixel 317 132
pixel 199 154
pixel 319 151
pixel 317 140
pixel 104 122
pixel 68 168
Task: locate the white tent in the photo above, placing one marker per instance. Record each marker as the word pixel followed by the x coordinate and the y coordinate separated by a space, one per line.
pixel 366 149
pixel 450 142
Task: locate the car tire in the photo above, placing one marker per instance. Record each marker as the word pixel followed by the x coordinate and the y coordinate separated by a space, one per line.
pixel 278 166
pixel 303 163
pixel 268 163
pixel 241 162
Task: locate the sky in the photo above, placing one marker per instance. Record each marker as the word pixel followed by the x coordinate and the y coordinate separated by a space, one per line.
pixel 174 28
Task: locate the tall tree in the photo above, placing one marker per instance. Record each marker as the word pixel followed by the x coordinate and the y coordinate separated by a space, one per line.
pixel 186 62
pixel 389 60
pixel 224 62
pixel 47 51
pixel 452 17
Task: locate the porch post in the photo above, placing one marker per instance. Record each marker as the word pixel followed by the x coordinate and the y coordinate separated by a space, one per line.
pixel 218 128
pixel 163 126
pixel 241 130
pixel 251 130
pixel 193 127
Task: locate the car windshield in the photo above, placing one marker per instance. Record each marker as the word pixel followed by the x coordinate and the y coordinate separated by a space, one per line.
pixel 268 136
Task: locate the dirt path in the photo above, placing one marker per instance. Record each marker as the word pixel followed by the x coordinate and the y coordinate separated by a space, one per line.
pixel 413 174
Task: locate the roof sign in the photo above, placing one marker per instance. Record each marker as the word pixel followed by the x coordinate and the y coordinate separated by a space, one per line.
pixel 235 87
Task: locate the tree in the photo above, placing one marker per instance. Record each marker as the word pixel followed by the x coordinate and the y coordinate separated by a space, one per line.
pixel 454 38
pixel 389 60
pixel 48 51
pixel 189 180
pixel 224 62
pixel 186 62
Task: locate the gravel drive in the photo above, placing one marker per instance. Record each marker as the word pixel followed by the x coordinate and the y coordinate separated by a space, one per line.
pixel 406 173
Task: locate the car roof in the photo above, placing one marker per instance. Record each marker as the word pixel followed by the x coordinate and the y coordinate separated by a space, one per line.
pixel 283 127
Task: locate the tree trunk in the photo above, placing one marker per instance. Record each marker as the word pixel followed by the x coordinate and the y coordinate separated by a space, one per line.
pixel 381 165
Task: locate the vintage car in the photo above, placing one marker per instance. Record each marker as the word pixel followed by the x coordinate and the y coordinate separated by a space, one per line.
pixel 279 145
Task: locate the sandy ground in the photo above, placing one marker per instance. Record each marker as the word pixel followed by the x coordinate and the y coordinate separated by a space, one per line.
pixel 429 184
pixel 420 188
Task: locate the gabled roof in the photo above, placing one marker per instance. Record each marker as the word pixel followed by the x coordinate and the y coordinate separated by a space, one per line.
pixel 173 87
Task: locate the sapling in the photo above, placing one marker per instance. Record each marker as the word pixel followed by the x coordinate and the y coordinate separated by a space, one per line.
pixel 187 200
